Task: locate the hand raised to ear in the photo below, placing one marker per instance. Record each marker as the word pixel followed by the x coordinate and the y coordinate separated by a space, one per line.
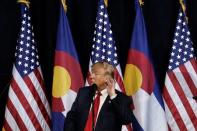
pixel 110 84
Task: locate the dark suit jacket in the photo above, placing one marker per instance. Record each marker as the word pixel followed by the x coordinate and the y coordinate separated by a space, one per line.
pixel 113 114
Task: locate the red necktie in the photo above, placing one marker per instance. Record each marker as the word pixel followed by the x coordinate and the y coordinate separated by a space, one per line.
pixel 89 123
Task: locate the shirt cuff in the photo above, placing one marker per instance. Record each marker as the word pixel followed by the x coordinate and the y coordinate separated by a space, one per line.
pixel 113 96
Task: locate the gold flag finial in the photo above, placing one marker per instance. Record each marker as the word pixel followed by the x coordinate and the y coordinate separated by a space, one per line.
pixel 106 2
pixel 184 9
pixel 24 1
pixel 183 5
pixel 141 2
pixel 64 5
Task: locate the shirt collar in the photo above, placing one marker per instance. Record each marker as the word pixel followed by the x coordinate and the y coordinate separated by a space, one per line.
pixel 103 92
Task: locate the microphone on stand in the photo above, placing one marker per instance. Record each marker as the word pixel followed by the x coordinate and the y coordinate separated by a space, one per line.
pixel 94 86
pixel 195 97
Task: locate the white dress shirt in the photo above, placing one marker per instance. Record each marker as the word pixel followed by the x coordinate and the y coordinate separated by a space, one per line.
pixel 103 97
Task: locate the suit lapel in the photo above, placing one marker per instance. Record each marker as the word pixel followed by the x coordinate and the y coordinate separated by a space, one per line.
pixel 87 104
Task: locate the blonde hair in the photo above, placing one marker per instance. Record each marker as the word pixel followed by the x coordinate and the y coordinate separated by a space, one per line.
pixel 109 69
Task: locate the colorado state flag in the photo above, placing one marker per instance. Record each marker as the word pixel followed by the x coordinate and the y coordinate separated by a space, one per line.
pixel 67 73
pixel 140 81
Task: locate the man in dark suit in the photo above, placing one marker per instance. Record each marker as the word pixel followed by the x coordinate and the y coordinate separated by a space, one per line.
pixel 114 108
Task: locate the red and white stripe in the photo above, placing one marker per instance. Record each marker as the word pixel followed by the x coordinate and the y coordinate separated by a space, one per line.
pixel 180 87
pixel 27 107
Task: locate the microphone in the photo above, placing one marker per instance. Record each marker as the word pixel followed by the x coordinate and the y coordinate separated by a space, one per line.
pixel 94 86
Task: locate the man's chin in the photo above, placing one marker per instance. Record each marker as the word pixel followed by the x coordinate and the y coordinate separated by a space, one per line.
pixel 92 82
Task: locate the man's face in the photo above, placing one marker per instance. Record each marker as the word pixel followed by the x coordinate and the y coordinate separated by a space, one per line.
pixel 97 76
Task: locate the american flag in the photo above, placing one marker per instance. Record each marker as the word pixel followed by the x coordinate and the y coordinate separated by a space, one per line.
pixel 104 48
pixel 27 106
pixel 181 80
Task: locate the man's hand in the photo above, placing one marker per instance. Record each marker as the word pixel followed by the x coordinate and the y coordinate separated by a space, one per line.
pixel 110 84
